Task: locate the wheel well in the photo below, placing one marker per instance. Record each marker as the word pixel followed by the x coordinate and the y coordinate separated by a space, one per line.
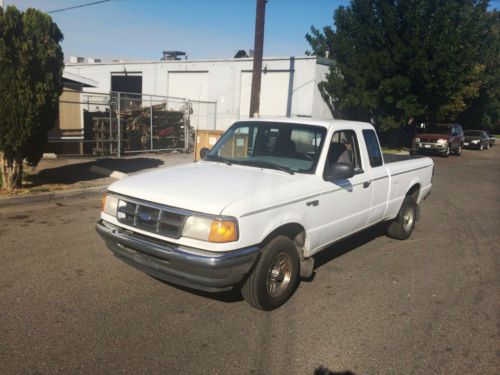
pixel 294 231
pixel 414 191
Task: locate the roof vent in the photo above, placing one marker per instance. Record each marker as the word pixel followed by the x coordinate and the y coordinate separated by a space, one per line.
pixel 76 59
pixel 173 55
pixel 240 54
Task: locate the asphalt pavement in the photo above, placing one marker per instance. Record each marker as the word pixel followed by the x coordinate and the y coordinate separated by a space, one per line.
pixel 430 304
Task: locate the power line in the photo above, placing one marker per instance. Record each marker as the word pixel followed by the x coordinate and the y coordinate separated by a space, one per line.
pixel 79 6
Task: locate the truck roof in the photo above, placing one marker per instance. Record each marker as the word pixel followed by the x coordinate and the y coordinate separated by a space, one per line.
pixel 334 123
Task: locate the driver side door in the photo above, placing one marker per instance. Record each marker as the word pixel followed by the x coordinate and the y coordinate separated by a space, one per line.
pixel 345 203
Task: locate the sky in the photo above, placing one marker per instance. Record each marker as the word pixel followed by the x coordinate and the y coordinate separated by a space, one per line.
pixel 204 29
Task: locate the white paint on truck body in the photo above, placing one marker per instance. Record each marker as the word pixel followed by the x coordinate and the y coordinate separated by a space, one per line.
pixel 263 200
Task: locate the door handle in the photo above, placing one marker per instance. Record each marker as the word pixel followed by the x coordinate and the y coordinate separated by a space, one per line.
pixel 313 203
pixel 366 184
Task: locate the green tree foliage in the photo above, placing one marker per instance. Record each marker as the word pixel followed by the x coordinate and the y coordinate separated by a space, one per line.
pixel 425 60
pixel 31 64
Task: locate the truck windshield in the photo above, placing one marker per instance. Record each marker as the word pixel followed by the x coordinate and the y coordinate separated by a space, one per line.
pixel 291 148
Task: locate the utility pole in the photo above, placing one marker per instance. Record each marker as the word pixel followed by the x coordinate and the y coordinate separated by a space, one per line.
pixel 257 57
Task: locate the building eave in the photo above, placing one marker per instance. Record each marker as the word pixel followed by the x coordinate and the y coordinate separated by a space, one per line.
pixel 83 81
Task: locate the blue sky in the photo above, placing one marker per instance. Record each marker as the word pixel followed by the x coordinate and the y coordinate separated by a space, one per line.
pixel 135 29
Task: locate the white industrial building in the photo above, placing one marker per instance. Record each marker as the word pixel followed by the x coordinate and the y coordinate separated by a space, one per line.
pixel 289 85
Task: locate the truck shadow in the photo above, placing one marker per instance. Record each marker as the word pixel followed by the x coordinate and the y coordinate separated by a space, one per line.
pixel 326 371
pixel 334 251
pixel 346 245
pixel 230 296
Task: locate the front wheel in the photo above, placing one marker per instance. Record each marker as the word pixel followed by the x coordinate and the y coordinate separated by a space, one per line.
pixel 458 152
pixel 274 278
pixel 402 226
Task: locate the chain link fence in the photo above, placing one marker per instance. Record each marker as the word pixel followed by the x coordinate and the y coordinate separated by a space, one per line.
pixel 120 123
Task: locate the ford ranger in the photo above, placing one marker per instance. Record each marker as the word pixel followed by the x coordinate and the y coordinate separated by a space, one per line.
pixel 268 196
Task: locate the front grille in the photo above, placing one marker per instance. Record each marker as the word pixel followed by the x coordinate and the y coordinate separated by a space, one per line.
pixel 151 218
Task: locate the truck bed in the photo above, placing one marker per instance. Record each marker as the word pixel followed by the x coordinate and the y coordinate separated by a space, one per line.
pixel 393 158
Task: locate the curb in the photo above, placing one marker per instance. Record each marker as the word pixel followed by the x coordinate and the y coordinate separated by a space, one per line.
pixel 52 196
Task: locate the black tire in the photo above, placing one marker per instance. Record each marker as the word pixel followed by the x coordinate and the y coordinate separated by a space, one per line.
pixel 259 289
pixel 446 152
pixel 458 151
pixel 402 225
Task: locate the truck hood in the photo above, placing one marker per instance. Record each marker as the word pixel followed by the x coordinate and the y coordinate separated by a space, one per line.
pixel 206 187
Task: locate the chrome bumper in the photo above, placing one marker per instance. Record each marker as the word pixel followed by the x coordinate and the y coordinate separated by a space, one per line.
pixel 429 146
pixel 193 268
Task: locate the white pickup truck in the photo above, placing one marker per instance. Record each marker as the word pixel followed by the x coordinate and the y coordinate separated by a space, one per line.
pixel 268 196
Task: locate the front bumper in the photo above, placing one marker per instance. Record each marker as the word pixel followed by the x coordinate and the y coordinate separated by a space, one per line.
pixel 431 147
pixel 469 144
pixel 193 268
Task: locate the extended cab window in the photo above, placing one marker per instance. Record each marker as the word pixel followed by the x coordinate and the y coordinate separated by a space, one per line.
pixel 373 148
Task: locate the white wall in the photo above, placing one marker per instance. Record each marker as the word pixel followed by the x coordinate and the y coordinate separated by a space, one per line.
pixel 320 108
pixel 224 79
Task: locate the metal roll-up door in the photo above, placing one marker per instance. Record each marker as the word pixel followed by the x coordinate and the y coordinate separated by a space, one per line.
pixel 273 94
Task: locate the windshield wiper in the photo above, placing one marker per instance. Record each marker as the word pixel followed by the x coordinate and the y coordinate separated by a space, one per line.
pixel 219 158
pixel 266 164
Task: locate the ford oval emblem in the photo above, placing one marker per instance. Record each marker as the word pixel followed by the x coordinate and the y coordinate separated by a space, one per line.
pixel 145 217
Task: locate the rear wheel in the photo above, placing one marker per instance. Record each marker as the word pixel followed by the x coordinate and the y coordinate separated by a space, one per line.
pixel 458 151
pixel 402 226
pixel 275 276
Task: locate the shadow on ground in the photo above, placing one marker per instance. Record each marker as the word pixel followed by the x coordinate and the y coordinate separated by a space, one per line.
pixel 80 172
pixel 230 296
pixel 326 371
pixel 348 244
pixel 336 250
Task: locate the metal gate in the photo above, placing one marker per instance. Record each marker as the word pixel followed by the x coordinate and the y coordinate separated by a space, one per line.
pixel 120 123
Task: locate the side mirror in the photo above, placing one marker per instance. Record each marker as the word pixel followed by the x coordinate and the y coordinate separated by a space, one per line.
pixel 203 152
pixel 341 171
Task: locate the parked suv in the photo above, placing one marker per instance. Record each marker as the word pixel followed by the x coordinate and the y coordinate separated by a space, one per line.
pixel 442 139
pixel 478 139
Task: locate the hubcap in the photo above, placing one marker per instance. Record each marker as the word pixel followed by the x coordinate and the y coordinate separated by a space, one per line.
pixel 408 219
pixel 279 275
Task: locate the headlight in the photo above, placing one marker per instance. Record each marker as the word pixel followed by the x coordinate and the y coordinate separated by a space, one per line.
pixel 475 141
pixel 416 140
pixel 441 141
pixel 109 204
pixel 211 229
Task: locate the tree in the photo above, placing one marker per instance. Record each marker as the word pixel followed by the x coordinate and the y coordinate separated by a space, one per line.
pixel 398 61
pixel 31 64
